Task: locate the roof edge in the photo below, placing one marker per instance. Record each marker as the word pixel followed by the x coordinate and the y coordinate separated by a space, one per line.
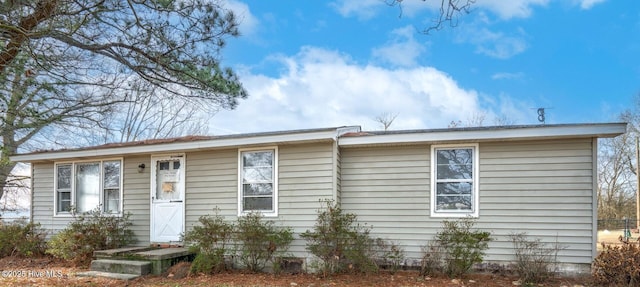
pixel 477 134
pixel 144 147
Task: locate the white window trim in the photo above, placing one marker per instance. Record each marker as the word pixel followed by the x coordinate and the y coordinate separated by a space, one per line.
pixel 476 183
pixel 274 212
pixel 57 213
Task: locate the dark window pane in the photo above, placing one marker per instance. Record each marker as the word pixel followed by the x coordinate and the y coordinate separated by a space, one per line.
pixel 257 174
pixel 64 176
pixel 448 202
pixel 453 188
pixel 112 200
pixel 258 203
pixel 258 189
pixel 163 165
pixel 176 165
pixel 454 164
pixel 64 201
pixel 259 159
pixel 111 174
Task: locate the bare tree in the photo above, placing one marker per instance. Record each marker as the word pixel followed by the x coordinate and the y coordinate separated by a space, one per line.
pixel 386 119
pixel 617 171
pixel 145 115
pixel 62 62
pixel 449 12
pixel 476 119
pixel 17 191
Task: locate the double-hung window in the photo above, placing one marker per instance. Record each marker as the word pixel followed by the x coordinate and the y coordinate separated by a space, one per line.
pixel 258 188
pixel 454 181
pixel 88 185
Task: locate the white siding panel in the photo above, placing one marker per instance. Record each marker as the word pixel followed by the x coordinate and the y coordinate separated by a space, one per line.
pixel 543 188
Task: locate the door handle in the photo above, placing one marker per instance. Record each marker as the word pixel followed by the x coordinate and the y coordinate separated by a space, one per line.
pixel 175 200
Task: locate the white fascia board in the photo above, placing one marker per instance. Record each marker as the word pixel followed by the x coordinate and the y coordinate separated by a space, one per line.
pixel 270 139
pixel 489 134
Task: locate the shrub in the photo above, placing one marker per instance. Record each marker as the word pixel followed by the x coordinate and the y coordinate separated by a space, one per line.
pixel 89 232
pixel 340 242
pixel 22 239
pixel 461 246
pixel 618 265
pixel 259 241
pixel 391 254
pixel 535 261
pixel 209 240
pixel 431 263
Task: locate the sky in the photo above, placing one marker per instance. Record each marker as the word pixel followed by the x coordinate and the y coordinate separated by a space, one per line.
pixel 314 64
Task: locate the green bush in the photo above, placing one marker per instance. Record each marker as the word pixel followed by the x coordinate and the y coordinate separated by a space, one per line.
pixel 618 265
pixel 259 241
pixel 461 245
pixel 22 239
pixel 340 242
pixel 89 232
pixel 535 261
pixel 210 241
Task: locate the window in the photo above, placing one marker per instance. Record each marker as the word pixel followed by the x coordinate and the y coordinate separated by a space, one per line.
pixel 257 189
pixel 454 181
pixel 63 188
pixel 87 185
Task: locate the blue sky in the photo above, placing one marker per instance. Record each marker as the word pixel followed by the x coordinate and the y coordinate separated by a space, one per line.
pixel 310 64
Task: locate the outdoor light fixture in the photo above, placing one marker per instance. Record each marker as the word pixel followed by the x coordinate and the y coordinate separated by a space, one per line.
pixel 141 167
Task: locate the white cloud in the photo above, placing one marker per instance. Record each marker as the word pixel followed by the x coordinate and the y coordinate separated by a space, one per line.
pixel 362 9
pixel 322 88
pixel 588 4
pixel 367 9
pixel 507 76
pixel 511 8
pixel 248 22
pixel 403 50
pixel 494 44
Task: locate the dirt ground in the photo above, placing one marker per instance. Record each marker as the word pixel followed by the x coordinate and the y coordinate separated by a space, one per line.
pixel 612 237
pixel 50 272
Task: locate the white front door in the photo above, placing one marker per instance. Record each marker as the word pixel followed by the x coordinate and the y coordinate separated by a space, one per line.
pixel 167 198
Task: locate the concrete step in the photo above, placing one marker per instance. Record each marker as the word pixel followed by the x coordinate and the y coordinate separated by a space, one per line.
pixel 119 252
pixel 120 276
pixel 121 266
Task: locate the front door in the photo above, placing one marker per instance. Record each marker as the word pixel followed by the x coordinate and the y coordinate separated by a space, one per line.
pixel 167 198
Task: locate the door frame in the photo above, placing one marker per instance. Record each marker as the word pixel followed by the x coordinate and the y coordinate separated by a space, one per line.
pixel 151 195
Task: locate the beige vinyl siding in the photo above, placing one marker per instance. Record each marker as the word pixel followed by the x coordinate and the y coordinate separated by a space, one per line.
pixel 211 182
pixel 136 195
pixel 387 187
pixel 135 198
pixel 306 177
pixel 43 194
pixel 543 188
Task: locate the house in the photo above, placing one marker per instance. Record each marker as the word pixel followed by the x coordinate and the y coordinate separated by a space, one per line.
pixel 539 179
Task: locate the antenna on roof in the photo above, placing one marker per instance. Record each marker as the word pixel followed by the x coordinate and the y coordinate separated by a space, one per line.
pixel 541 115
